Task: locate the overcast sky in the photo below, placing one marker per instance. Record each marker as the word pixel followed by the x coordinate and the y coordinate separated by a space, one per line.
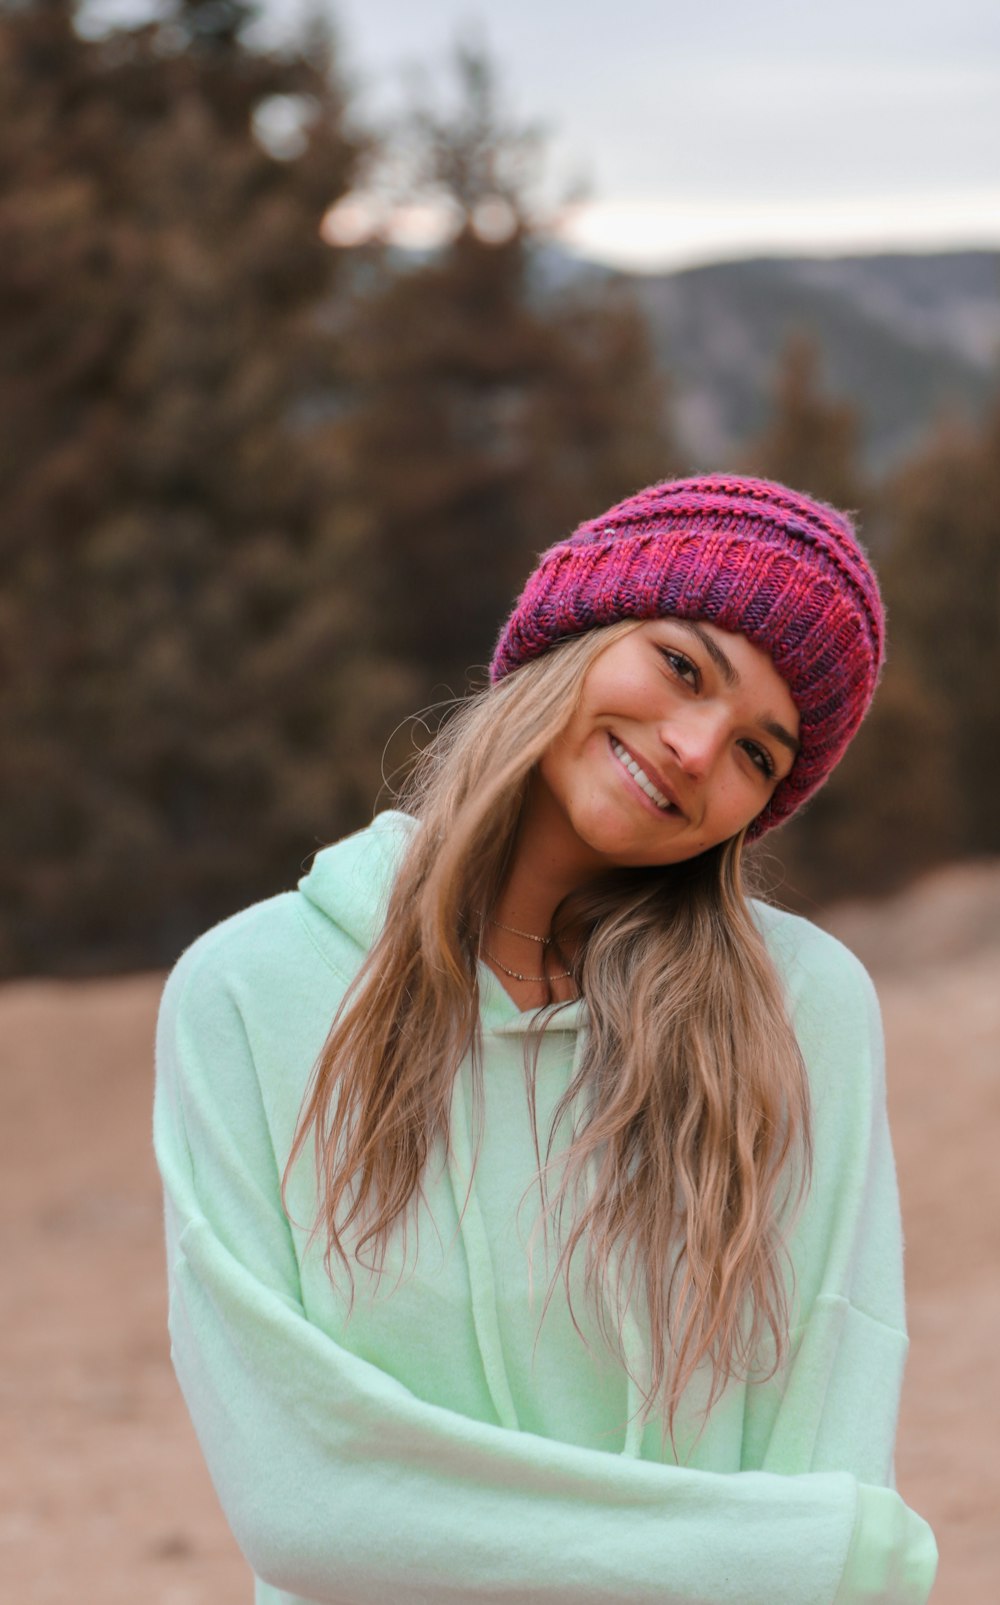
pixel 719 127
pixel 711 129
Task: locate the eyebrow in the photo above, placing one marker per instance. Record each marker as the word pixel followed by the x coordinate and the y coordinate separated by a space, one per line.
pixel 730 674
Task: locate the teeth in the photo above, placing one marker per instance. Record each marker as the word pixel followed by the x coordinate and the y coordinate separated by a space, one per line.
pixel 639 775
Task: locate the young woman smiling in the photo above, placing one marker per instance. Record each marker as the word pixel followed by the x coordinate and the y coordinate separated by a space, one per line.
pixel 532 1220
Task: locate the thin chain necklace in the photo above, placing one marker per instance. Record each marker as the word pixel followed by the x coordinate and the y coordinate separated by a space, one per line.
pixel 515 975
pixel 529 936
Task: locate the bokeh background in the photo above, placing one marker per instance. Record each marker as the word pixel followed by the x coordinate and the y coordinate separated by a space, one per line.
pixel 316 326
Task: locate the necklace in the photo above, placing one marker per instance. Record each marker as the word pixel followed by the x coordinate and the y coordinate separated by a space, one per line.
pixel 543 941
pixel 515 975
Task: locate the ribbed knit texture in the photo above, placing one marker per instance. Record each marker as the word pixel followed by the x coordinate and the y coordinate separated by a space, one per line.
pixel 749 555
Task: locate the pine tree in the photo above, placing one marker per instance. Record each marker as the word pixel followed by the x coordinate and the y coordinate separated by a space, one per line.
pixel 943 582
pixel 179 619
pixel 885 814
pixel 490 415
pixel 920 784
pixel 812 438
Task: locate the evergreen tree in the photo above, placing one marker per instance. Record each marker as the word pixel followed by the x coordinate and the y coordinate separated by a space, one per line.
pixel 886 813
pixel 174 580
pixel 812 439
pixel 943 582
pixel 490 414
pixel 920 784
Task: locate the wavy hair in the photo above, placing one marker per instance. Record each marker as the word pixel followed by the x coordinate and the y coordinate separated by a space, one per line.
pixel 690 1131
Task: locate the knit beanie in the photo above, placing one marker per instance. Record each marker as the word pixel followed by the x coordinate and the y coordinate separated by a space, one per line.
pixel 749 555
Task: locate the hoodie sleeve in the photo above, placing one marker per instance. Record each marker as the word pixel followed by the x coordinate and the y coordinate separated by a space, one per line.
pixel 835 1406
pixel 343 1487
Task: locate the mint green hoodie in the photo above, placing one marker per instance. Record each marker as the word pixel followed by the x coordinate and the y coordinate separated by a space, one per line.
pixel 435 1443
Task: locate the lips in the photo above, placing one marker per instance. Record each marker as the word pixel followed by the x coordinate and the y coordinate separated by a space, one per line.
pixel 653 784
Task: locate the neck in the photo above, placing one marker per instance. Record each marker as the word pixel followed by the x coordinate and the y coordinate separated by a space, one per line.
pixel 531 970
pixel 546 866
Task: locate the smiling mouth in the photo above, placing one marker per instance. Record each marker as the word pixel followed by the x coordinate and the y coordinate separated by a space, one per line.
pixel 641 778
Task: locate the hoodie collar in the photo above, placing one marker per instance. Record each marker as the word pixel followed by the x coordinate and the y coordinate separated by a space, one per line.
pixel 350 883
pixel 501 1015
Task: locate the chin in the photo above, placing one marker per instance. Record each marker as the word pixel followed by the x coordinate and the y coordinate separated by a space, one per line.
pixel 632 855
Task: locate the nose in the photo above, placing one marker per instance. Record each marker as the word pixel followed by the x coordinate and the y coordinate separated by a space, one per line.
pixel 695 740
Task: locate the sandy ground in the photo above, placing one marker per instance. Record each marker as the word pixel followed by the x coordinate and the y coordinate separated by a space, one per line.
pixel 103 1495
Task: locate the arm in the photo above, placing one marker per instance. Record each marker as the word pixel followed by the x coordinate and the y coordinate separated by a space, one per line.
pixel 836 1405
pixel 342 1486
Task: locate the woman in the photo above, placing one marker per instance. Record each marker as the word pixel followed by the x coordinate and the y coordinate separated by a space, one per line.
pixel 574 1270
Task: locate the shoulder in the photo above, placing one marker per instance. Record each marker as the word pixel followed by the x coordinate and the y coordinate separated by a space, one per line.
pixel 298 945
pixel 243 1017
pixel 809 960
pixel 831 1002
pixel 247 950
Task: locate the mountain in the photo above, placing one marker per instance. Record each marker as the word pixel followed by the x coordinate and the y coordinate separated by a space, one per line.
pixel 905 337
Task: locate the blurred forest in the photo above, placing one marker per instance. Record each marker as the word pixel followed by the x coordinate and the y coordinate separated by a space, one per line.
pixel 262 495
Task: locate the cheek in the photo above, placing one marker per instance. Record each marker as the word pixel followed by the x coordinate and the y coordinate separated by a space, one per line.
pixel 577 770
pixel 734 803
pixel 558 768
pixel 624 689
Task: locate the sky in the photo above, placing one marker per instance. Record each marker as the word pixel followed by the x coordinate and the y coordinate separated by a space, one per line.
pixel 726 128
pixel 713 128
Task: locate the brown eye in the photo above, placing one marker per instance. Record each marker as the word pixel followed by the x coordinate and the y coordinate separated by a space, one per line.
pixel 682 667
pixel 761 757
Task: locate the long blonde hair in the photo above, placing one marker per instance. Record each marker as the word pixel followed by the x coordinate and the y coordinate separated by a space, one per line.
pixel 694 1138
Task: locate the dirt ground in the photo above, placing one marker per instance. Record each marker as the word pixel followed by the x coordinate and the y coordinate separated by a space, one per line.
pixel 103 1494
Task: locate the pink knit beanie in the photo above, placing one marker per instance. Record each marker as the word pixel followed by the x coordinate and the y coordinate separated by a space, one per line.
pixel 752 557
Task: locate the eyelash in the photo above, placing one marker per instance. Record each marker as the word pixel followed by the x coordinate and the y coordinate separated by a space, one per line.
pixel 679 664
pixel 766 767
pixel 677 658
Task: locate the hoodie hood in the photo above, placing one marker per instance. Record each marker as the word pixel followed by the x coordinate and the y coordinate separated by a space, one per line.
pixel 349 883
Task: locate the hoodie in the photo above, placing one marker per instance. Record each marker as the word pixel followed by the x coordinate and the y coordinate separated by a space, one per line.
pixel 435 1439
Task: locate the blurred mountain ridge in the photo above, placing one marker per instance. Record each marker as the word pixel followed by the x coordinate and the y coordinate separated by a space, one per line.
pixel 906 337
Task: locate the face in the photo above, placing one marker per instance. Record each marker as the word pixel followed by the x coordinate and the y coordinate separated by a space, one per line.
pixel 681 734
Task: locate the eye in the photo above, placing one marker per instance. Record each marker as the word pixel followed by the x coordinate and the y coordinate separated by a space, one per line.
pixel 761 757
pixel 682 667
